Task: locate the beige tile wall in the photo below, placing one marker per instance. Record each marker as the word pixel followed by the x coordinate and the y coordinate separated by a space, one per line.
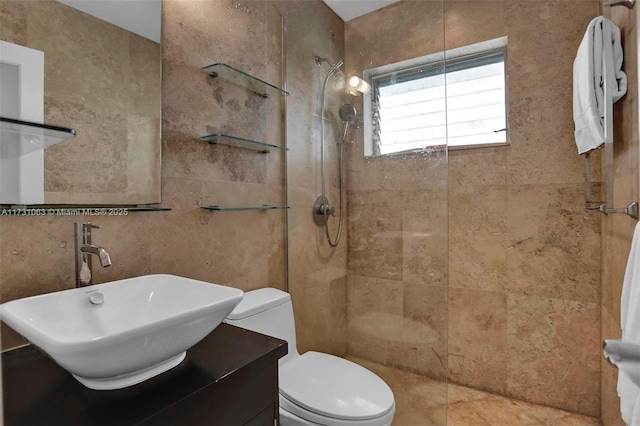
pixel 317 272
pixel 524 256
pixel 617 230
pixel 240 249
pixel 521 242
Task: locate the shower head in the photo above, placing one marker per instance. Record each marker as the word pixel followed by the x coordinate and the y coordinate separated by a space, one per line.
pixel 348 114
pixel 335 68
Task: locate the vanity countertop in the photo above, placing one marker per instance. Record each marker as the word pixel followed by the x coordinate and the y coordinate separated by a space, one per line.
pixel 37 391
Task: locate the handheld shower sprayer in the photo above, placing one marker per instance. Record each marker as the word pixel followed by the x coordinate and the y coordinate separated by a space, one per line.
pixel 322 209
pixel 348 114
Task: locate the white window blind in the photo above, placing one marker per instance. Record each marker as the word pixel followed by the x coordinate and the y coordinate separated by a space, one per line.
pixel 460 104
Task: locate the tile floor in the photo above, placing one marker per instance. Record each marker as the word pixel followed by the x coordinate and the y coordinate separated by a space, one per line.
pixel 422 402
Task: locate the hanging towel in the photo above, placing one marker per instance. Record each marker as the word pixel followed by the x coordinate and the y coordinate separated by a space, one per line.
pixel 625 353
pixel 588 84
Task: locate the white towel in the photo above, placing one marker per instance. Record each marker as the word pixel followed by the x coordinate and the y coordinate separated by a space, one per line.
pixel 624 352
pixel 588 85
pixel 630 300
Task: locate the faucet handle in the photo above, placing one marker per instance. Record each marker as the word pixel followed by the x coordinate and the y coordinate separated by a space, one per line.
pixel 83 228
pixel 88 225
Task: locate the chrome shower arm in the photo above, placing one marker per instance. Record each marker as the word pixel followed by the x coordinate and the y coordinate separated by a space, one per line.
pixel 335 68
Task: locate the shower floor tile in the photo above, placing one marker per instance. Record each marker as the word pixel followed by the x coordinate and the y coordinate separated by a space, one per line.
pixel 421 401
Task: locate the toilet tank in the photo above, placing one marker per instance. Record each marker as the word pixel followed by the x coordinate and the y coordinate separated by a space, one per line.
pixel 268 311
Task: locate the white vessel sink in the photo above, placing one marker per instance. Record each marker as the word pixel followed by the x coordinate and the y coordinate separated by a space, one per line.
pixel 142 328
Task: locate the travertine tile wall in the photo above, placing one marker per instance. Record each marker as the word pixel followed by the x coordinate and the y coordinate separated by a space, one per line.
pixel 532 253
pixel 317 272
pixel 240 249
pixel 524 255
pixel 618 229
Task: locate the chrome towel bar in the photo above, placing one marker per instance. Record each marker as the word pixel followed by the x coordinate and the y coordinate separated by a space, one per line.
pixel 605 207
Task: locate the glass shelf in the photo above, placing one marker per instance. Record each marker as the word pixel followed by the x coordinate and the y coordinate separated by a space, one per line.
pixel 21 137
pixel 243 79
pixel 150 208
pixel 241 142
pixel 246 208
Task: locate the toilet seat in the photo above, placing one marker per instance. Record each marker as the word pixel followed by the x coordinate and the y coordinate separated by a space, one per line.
pixel 328 390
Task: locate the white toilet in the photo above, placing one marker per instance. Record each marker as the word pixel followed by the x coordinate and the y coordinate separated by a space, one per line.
pixel 315 388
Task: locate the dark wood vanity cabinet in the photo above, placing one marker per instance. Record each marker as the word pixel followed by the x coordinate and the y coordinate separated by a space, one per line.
pixel 229 378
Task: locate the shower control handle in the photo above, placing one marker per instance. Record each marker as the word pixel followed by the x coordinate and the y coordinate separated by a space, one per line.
pixel 328 208
pixel 322 209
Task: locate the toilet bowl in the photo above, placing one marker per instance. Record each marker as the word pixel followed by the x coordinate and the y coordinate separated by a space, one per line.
pixel 315 388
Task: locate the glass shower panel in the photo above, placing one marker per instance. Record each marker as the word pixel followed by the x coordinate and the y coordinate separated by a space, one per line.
pixel 397 285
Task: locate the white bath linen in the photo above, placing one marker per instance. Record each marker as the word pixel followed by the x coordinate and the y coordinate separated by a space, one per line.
pixel 628 389
pixel 588 84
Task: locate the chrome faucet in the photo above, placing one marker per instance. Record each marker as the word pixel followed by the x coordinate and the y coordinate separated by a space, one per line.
pixel 84 248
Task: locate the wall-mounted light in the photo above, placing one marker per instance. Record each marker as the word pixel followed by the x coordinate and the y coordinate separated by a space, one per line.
pixel 356 84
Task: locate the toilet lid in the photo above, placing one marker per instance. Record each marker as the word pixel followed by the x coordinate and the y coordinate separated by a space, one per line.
pixel 334 387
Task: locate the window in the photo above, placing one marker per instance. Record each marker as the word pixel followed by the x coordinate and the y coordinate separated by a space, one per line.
pixel 429 102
